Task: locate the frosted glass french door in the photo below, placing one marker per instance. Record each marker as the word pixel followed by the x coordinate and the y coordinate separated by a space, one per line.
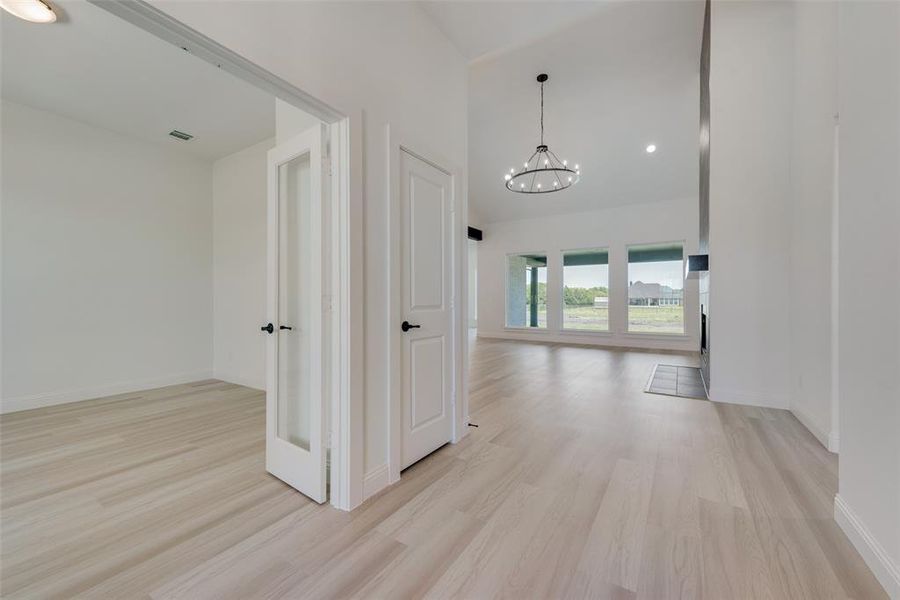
pixel 295 407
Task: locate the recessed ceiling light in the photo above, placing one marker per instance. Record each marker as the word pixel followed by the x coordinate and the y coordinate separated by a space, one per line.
pixel 30 10
pixel 651 148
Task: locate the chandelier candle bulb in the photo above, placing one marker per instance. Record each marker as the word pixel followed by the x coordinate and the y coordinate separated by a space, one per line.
pixel 548 173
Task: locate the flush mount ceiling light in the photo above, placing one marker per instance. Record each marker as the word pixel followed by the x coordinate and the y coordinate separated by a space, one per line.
pixel 35 11
pixel 651 148
pixel 543 172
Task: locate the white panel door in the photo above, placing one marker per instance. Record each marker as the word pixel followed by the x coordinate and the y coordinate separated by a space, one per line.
pixel 426 197
pixel 295 406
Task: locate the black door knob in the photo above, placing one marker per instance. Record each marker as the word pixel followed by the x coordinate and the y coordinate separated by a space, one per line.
pixel 286 327
pixel 406 326
pixel 268 328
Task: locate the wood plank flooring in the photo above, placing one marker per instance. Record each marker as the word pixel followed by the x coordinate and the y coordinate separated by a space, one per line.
pixel 575 484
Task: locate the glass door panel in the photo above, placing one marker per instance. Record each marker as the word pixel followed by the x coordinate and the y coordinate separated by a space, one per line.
pixel 294 284
pixel 295 403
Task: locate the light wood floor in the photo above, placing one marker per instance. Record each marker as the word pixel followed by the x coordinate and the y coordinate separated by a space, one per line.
pixel 575 484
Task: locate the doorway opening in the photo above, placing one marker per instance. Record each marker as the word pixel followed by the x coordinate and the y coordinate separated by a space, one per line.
pixel 154 233
pixel 329 410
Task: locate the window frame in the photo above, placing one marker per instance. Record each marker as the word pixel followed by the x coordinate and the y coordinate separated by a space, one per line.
pixel 562 294
pixel 506 325
pixel 659 334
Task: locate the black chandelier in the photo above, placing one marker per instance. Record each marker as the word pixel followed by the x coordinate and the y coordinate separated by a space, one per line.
pixel 543 172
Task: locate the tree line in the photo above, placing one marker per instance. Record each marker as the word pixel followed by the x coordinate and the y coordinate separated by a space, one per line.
pixel 572 296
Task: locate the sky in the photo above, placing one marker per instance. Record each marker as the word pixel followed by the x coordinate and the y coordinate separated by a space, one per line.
pixel 586 276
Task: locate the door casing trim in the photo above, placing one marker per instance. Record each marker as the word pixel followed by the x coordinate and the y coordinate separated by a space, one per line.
pixel 345 402
pixel 397 142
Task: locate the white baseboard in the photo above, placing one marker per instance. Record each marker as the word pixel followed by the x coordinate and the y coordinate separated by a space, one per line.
pixel 375 480
pixel 240 380
pixel 886 571
pixel 834 442
pixel 719 394
pixel 8 405
pixel 819 433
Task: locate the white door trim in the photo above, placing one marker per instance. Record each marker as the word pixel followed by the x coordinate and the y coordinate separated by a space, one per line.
pixel 346 210
pixel 398 142
pixel 164 26
pixel 347 301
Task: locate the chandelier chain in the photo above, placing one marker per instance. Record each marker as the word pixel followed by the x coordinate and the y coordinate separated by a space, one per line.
pixel 542 113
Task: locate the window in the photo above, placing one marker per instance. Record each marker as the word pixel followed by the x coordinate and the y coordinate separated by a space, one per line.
pixel 526 290
pixel 586 290
pixel 656 288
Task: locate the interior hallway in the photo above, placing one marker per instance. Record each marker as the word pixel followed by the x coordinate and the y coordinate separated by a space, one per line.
pixel 574 484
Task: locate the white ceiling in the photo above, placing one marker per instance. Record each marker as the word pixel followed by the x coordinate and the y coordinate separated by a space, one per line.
pixel 620 79
pixel 481 28
pixel 96 68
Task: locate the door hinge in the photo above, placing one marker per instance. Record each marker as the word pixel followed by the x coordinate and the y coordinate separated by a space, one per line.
pixel 326 165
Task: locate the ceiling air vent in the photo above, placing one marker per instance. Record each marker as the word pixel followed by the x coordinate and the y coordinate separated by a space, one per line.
pixel 180 135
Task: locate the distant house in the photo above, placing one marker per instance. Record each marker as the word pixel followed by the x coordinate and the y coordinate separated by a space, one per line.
pixel 653 294
pixel 601 301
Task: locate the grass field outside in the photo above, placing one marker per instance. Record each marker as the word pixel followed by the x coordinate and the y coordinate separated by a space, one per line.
pixel 656 319
pixel 586 318
pixel 641 319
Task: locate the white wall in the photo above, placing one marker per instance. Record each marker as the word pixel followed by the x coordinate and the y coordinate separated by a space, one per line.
pixel 750 209
pixel 811 198
pixel 107 262
pixel 868 504
pixel 615 228
pixel 408 75
pixel 291 121
pixel 239 253
pixel 772 227
pixel 239 265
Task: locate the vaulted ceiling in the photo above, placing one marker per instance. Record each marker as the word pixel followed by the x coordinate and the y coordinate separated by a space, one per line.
pixel 479 29
pixel 623 75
